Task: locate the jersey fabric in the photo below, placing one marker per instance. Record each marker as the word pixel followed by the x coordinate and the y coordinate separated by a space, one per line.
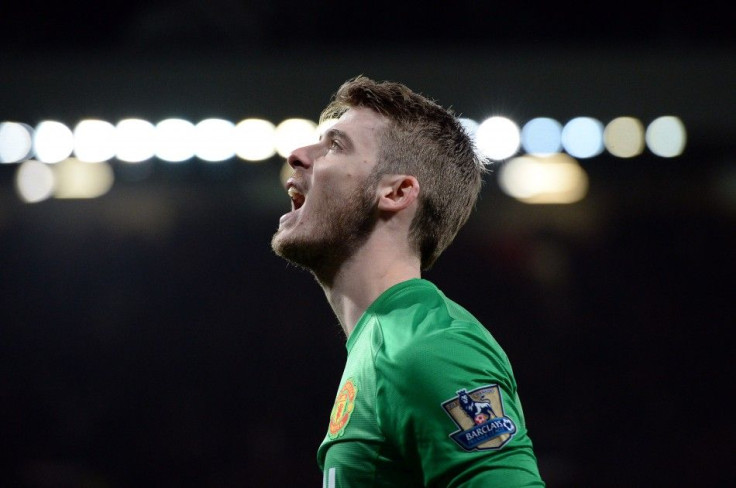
pixel 427 398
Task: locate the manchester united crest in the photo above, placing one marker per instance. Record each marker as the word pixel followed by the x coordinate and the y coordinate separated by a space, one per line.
pixel 480 417
pixel 343 408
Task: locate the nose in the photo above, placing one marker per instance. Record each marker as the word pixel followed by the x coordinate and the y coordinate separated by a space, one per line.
pixel 300 157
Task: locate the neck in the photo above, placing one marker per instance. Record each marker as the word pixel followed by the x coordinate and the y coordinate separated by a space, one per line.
pixel 364 276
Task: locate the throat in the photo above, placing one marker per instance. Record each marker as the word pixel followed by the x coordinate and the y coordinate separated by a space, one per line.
pixel 361 279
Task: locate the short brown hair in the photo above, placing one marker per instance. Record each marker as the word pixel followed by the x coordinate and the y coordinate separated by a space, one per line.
pixel 427 141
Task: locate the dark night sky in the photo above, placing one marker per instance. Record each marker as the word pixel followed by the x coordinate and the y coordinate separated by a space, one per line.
pixel 144 334
pixel 116 24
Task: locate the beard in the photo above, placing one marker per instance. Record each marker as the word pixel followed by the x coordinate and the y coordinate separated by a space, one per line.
pixel 342 228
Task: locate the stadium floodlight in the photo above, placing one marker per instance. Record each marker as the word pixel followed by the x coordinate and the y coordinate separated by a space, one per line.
pixel 174 140
pixel 94 141
pixel 213 140
pixel 254 139
pixel 542 136
pixel 134 140
pixel 52 141
pixel 666 136
pixel 16 142
pixel 554 179
pixel 582 137
pixel 498 138
pixel 34 181
pixel 295 133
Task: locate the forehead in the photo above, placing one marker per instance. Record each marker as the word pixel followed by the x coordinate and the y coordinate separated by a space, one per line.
pixel 362 125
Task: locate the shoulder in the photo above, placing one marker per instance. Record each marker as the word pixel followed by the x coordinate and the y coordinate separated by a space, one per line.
pixel 457 348
pixel 421 329
pixel 434 361
pixel 420 308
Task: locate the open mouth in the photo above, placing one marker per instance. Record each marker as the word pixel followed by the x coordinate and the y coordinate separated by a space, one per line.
pixel 297 198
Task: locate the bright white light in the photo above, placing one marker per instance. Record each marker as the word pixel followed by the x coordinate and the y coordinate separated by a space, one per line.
pixel 542 136
pixel 214 140
pixel 666 136
pixel 295 133
pixel 255 139
pixel 79 179
pixel 550 179
pixel 624 137
pixel 94 141
pixel 52 141
pixel 470 126
pixel 498 138
pixel 134 140
pixel 174 140
pixel 16 142
pixel 34 181
pixel 582 137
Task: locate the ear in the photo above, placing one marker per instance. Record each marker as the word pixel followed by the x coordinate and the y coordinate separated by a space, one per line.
pixel 397 192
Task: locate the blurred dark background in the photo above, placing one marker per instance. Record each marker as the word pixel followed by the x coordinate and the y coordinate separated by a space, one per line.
pixel 144 333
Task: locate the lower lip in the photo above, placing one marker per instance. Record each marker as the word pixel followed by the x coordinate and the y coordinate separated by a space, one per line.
pixel 287 217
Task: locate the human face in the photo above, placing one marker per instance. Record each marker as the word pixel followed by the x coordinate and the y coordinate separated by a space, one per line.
pixel 332 210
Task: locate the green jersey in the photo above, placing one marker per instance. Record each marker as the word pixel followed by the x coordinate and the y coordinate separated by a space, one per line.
pixel 427 398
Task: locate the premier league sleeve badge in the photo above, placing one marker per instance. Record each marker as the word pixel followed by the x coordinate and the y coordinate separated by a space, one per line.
pixel 480 418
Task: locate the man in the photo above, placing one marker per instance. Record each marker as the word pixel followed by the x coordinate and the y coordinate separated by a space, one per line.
pixel 428 397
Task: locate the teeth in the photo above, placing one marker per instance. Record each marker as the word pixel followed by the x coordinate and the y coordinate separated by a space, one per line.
pixel 297 198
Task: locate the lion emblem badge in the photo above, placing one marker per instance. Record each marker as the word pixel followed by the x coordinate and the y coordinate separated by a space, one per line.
pixel 480 417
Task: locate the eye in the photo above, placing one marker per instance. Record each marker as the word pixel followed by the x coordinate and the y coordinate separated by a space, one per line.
pixel 335 145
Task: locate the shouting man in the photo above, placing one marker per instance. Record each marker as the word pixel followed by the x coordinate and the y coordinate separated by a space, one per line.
pixel 427 397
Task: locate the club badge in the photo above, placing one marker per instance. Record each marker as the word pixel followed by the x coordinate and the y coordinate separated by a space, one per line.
pixel 343 408
pixel 480 417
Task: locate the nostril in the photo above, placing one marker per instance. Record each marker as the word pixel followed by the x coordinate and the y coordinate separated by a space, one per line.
pixel 300 157
pixel 295 161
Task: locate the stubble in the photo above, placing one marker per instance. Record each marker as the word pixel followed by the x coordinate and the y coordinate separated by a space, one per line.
pixel 342 228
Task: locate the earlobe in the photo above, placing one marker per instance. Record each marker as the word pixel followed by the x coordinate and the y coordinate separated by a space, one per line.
pixel 397 192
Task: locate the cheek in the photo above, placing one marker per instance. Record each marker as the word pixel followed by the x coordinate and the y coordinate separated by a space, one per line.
pixel 330 187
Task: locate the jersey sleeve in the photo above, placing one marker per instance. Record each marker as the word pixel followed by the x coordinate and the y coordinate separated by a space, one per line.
pixel 449 404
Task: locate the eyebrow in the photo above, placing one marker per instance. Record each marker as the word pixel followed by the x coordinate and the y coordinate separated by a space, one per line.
pixel 342 136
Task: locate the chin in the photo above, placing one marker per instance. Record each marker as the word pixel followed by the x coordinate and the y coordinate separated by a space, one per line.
pixel 301 252
pixel 280 242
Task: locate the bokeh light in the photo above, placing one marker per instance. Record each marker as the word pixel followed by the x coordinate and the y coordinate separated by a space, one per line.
pixel 542 136
pixel 555 179
pixel 254 139
pixel 174 140
pixel 624 137
pixel 80 179
pixel 582 137
pixel 498 138
pixel 94 141
pixel 16 142
pixel 294 133
pixel 134 140
pixel 470 126
pixel 214 140
pixel 34 181
pixel 666 136
pixel 52 141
